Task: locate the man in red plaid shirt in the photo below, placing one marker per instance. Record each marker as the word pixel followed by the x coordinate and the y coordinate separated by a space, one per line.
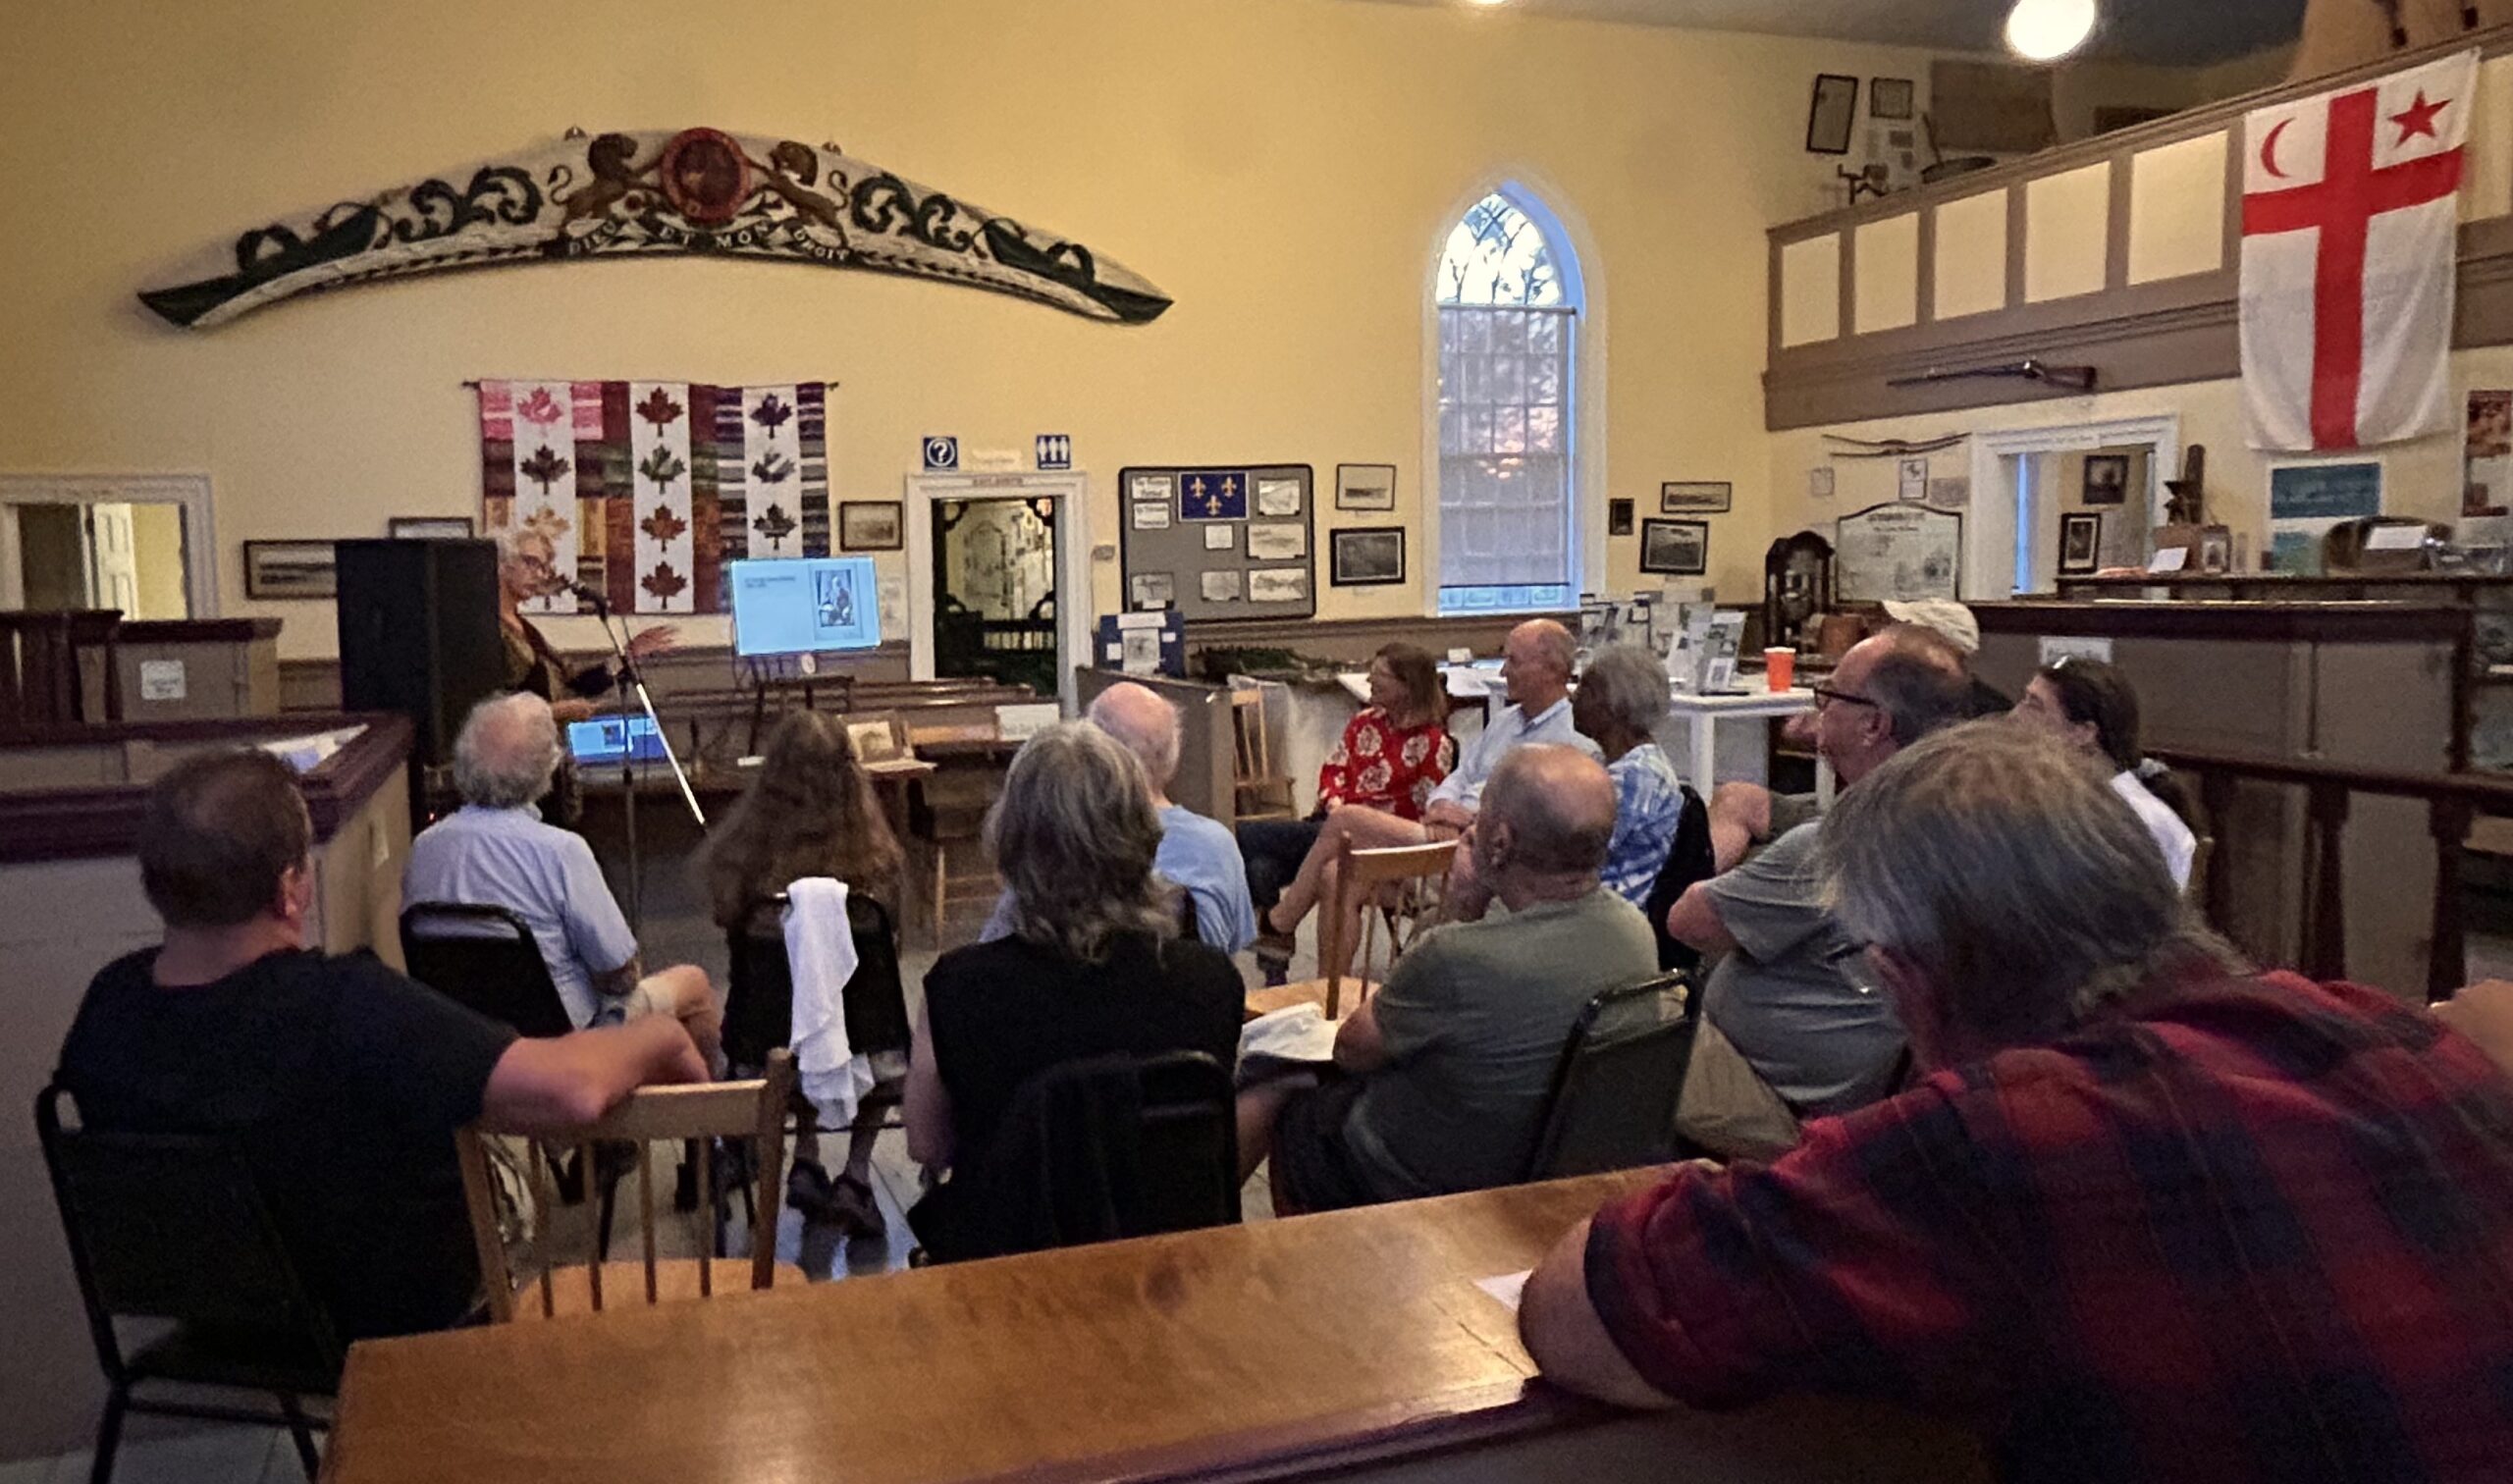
pixel 2150 1215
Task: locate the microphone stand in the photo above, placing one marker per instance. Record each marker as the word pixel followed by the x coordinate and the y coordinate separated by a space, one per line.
pixel 632 685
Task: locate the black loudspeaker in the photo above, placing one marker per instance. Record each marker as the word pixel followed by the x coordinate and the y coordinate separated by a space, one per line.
pixel 419 634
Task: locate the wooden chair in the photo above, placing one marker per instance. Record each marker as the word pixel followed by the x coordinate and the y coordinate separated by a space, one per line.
pixel 949 808
pixel 1391 882
pixel 753 1111
pixel 1259 792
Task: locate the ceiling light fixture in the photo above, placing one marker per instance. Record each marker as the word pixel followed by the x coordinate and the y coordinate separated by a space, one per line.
pixel 2045 30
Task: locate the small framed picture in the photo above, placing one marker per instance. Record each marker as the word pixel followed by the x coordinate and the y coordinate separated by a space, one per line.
pixel 1366 487
pixel 1675 547
pixel 2080 543
pixel 284 569
pixel 1833 115
pixel 2216 550
pixel 875 741
pixel 1367 556
pixel 1889 97
pixel 2106 479
pixel 872 525
pixel 429 528
pixel 1618 517
pixel 1696 497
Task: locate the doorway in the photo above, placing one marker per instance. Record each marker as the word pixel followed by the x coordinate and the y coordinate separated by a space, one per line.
pixel 139 545
pixel 2038 485
pixel 991 560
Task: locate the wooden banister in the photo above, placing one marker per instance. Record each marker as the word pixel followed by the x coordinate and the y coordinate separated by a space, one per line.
pixel 2452 801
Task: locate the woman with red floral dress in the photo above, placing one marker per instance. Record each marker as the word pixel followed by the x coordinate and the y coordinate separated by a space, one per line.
pixel 1392 754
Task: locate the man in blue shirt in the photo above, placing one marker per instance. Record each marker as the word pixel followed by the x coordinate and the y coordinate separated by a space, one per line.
pixel 1197 855
pixel 1536 675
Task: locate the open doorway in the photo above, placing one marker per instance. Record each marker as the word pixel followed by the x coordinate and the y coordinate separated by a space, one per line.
pixel 991 560
pixel 2095 489
pixel 139 545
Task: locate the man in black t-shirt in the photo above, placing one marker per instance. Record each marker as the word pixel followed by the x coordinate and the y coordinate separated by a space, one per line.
pixel 342 1080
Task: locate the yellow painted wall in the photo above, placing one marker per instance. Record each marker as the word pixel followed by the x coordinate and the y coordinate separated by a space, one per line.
pixel 1284 168
pixel 157 539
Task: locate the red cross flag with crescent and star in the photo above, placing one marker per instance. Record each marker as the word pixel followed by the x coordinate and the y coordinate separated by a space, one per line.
pixel 2350 217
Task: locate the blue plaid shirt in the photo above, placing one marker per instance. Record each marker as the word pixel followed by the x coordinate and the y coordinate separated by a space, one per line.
pixel 1648 801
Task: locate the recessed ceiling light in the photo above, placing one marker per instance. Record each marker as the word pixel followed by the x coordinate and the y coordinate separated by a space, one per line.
pixel 2045 30
pixel 1487 4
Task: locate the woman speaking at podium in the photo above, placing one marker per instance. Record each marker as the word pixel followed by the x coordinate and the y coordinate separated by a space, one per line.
pixel 526 571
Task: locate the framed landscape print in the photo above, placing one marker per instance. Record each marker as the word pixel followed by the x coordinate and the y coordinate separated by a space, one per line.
pixel 1675 547
pixel 872 525
pixel 1366 487
pixel 1696 497
pixel 286 570
pixel 1367 556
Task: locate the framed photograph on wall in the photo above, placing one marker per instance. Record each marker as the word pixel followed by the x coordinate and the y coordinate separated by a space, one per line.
pixel 2080 543
pixel 429 528
pixel 2106 479
pixel 872 525
pixel 286 569
pixel 1675 547
pixel 1696 497
pixel 1833 114
pixel 1889 97
pixel 1366 487
pixel 1367 556
pixel 1618 517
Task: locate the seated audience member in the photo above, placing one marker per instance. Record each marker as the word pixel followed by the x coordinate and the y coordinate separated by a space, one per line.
pixel 1394 752
pixel 1448 1065
pixel 1744 815
pixel 1094 964
pixel 810 813
pixel 2152 1216
pixel 2093 708
pixel 1535 674
pixel 1621 699
pixel 1776 995
pixel 1196 853
pixel 340 1080
pixel 495 851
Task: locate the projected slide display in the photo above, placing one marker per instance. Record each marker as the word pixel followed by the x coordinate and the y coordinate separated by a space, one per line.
pixel 799 605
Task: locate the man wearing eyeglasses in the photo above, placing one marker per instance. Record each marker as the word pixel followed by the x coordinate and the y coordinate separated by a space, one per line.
pixel 1778 996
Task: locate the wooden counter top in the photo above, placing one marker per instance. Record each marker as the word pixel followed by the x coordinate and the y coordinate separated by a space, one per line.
pixel 1283 1349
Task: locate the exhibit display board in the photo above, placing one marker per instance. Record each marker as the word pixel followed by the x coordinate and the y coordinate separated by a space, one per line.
pixel 1223 541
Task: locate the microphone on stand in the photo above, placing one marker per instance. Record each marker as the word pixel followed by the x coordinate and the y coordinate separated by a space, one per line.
pixel 591 595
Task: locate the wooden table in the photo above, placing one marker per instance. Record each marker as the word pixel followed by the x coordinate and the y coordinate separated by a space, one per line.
pixel 1286 1348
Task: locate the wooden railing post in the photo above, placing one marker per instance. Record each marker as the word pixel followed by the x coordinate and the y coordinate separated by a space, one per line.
pixel 2324 885
pixel 2447 959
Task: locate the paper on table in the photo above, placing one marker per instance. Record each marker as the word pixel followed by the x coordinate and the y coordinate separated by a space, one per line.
pixel 2171 559
pixel 2403 538
pixel 1506 1287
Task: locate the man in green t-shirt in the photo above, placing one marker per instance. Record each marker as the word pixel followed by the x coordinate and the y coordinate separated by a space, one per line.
pixel 1449 1064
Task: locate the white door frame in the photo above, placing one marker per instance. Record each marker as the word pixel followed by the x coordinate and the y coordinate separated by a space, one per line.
pixel 1986 541
pixel 1074 618
pixel 189 491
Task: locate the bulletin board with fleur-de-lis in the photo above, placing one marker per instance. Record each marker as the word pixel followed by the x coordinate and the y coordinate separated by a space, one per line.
pixel 646 489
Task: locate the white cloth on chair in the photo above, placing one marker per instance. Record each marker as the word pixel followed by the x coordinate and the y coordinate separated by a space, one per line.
pixel 819 946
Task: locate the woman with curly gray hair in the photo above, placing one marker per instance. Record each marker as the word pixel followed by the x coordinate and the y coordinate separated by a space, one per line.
pixel 1094 967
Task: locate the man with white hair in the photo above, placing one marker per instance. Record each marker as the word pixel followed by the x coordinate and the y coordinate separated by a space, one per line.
pixel 2152 1215
pixel 496 851
pixel 1196 854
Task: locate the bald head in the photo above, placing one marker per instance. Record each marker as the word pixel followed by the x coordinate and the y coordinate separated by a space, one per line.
pixel 1536 663
pixel 1145 725
pixel 506 753
pixel 1548 811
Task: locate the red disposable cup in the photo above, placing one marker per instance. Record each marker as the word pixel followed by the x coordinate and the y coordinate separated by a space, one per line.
pixel 1779 668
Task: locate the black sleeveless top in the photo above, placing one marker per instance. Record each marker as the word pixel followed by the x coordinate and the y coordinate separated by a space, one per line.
pixel 1002 1012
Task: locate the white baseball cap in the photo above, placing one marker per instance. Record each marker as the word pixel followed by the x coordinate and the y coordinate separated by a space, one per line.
pixel 1944 616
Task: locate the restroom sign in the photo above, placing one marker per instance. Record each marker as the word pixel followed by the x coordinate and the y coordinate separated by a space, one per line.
pixel 1055 450
pixel 941 454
